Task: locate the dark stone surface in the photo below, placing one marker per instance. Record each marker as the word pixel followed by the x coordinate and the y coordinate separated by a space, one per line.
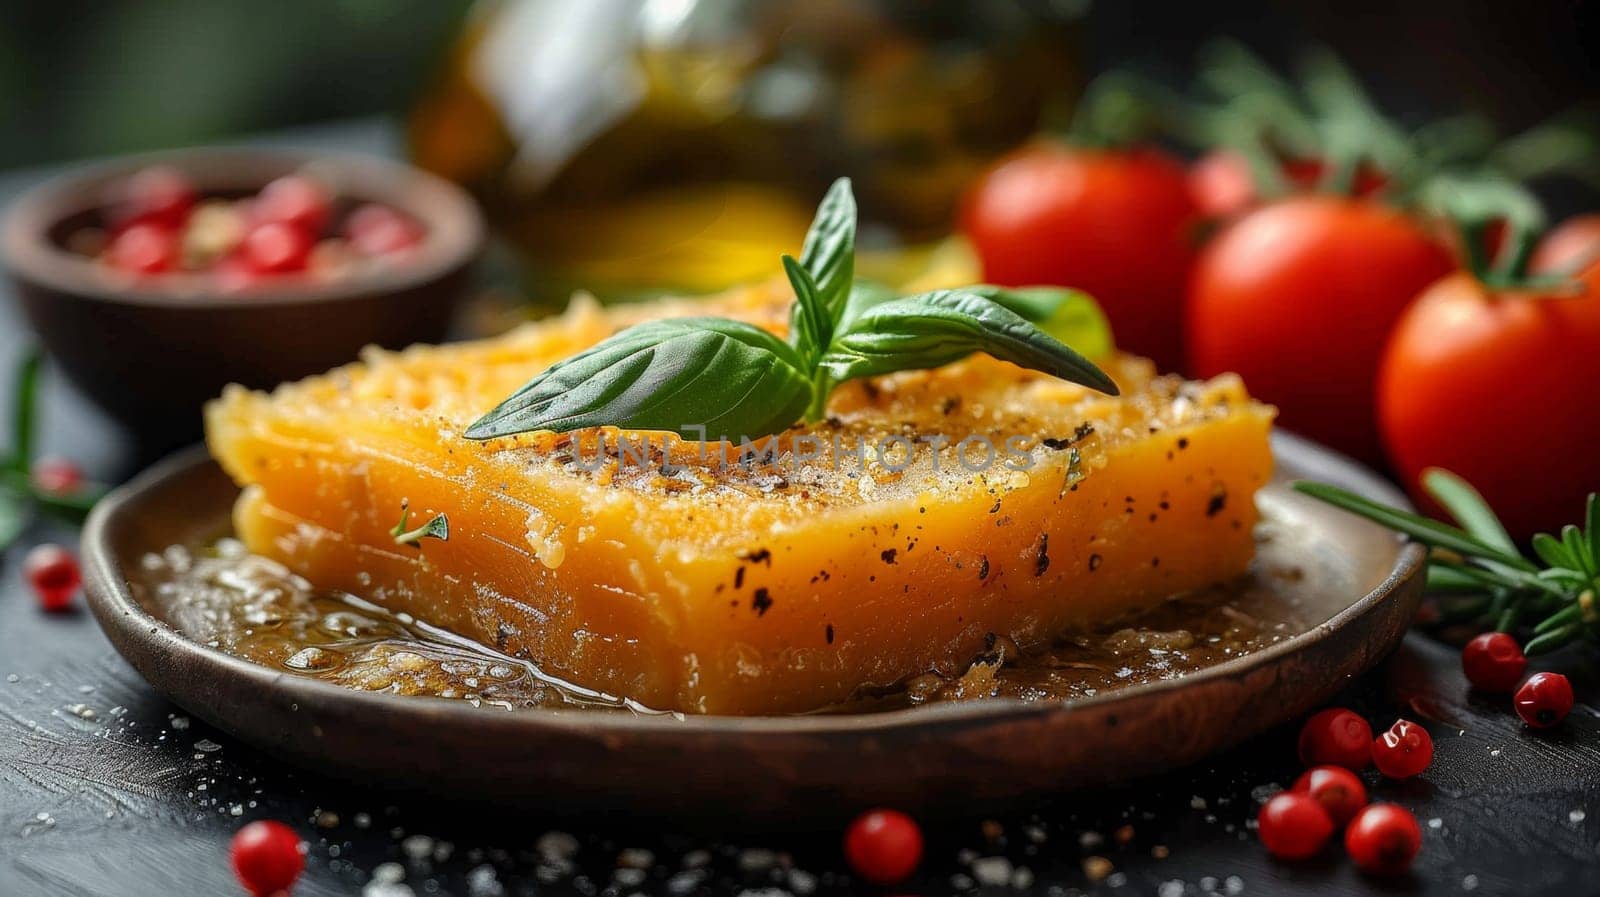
pixel 138 800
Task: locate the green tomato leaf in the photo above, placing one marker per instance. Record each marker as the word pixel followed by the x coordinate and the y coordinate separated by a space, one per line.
pixel 1071 316
pixel 934 329
pixel 732 378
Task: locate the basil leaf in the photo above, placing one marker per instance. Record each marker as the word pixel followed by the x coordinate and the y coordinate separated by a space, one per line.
pixel 864 294
pixel 810 323
pixel 1071 316
pixel 934 329
pixel 13 516
pixel 733 378
pixel 829 256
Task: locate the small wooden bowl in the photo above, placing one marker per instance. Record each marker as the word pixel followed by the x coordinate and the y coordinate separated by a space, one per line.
pixel 151 351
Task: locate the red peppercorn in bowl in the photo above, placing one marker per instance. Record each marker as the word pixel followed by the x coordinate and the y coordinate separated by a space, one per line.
pixel 154 281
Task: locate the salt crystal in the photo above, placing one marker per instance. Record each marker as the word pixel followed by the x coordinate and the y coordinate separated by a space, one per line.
pixel 1263 793
pixel 556 845
pixel 992 871
pixel 388 873
pixel 1208 883
pixel 1197 803
pixel 802 882
pixel 1576 816
pixel 636 858
pixel 178 723
pixel 695 859
pixel 685 883
pixel 1116 880
pixel 1233 884
pixel 1469 883
pixel 1435 823
pixel 417 847
pixel 1173 888
pixel 757 859
pixel 483 881
pixel 1022 878
pixel 628 877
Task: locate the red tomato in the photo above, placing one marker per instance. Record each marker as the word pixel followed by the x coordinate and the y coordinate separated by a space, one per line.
pixel 1298 298
pixel 1223 185
pixel 1115 223
pixel 1499 388
pixel 1570 247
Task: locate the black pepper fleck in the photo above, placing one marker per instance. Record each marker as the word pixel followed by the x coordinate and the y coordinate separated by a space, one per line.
pixel 1216 504
pixel 761 602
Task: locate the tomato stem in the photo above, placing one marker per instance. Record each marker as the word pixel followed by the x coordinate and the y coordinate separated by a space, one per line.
pixel 1512 264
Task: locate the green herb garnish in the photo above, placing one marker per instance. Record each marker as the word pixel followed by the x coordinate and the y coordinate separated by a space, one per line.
pixel 1505 589
pixel 437 528
pixel 20 498
pixel 712 378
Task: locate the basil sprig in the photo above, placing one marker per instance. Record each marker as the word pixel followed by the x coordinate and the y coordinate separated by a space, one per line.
pixel 718 378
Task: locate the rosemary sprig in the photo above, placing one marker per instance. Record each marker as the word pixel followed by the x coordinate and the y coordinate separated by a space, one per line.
pixel 436 528
pixel 20 497
pixel 1554 598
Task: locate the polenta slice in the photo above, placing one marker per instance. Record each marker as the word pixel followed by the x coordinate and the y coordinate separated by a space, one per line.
pixel 714 581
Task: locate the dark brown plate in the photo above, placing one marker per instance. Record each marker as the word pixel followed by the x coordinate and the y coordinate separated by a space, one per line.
pixel 976 754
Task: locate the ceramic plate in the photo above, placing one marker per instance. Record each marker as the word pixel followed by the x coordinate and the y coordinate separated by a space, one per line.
pixel 1358 579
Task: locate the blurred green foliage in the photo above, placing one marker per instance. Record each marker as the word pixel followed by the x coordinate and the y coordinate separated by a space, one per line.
pixel 85 78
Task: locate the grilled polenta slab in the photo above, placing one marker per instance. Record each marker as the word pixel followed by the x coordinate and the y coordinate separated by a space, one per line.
pixel 720 581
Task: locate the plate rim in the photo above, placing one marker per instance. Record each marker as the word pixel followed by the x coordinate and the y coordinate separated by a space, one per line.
pixel 120 617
